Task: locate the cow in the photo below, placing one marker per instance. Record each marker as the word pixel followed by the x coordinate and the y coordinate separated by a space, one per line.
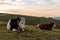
pixel 46 26
pixel 16 24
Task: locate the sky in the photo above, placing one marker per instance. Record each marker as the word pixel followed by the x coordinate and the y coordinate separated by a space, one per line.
pixel 47 8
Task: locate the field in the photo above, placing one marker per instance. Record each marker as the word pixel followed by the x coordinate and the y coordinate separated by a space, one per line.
pixel 31 33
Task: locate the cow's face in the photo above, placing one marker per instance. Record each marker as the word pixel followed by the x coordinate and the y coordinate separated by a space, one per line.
pixel 22 25
pixel 37 26
pixel 54 25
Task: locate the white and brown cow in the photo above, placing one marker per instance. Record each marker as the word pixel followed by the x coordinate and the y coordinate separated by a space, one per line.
pixel 46 26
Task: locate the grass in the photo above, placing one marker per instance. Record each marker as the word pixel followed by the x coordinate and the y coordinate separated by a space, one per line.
pixel 31 34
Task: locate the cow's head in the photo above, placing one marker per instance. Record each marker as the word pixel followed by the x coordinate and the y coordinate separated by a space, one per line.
pixel 37 26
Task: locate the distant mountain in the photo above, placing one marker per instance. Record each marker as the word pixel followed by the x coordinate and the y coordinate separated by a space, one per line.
pixel 3 14
pixel 56 18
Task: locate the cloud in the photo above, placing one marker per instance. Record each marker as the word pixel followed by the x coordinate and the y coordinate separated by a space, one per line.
pixel 27 7
pixel 41 4
pixel 30 4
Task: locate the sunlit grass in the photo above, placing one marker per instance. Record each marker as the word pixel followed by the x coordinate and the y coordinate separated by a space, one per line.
pixel 31 34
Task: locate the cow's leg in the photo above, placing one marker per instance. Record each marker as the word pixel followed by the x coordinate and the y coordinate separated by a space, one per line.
pixel 14 29
pixel 11 28
pixel 23 29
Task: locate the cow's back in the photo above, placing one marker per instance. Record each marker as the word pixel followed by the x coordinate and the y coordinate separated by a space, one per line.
pixel 13 21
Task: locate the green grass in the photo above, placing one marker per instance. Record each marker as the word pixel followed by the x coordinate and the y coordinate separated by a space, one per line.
pixel 31 34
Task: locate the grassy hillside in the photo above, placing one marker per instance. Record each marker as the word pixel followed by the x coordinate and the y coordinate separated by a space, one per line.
pixel 32 33
pixel 30 20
